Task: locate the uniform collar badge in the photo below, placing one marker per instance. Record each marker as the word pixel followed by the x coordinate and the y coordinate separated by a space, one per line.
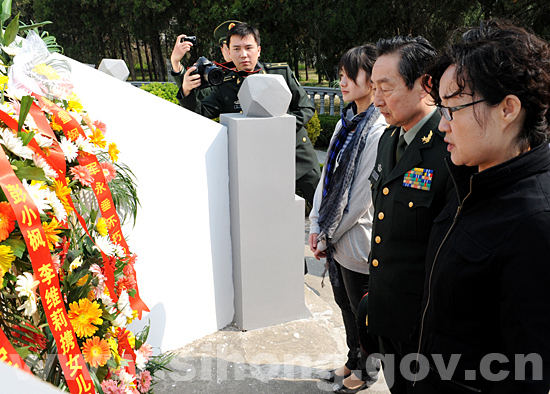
pixel 427 138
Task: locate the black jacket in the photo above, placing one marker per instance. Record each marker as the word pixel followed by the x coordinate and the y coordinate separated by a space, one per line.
pixel 223 99
pixel 488 273
pixel 403 218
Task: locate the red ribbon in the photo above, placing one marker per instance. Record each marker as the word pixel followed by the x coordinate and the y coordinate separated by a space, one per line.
pixel 70 358
pixel 72 130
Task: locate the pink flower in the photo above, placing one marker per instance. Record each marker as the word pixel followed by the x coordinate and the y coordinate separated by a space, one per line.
pixel 108 171
pixel 100 125
pixel 146 350
pixel 110 387
pixel 144 381
pixel 82 174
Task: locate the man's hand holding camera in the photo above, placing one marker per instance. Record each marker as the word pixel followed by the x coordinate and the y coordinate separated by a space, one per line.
pixel 181 47
pixel 190 81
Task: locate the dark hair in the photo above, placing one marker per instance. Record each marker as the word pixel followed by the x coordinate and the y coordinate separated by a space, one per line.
pixel 243 30
pixel 497 59
pixel 357 58
pixel 416 55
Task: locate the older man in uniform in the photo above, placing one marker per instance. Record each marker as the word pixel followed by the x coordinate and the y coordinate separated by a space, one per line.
pixel 244 50
pixel 409 186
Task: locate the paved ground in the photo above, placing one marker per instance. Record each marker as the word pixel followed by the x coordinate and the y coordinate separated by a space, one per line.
pixel 287 358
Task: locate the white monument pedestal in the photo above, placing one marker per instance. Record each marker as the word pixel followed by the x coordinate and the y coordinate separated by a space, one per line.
pixel 267 221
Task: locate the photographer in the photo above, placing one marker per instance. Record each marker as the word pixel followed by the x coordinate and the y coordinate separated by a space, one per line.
pixel 244 51
pixel 184 44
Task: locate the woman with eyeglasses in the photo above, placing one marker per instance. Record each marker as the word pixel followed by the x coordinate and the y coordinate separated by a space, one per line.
pixel 485 325
pixel 341 217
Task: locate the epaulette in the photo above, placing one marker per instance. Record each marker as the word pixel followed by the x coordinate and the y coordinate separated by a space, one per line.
pixel 275 65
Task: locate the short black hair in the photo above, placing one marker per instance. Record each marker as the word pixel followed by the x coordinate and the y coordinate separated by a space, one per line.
pixel 357 58
pixel 497 59
pixel 243 30
pixel 416 55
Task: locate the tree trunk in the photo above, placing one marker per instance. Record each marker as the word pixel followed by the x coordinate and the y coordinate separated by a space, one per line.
pixel 158 60
pixel 305 62
pixel 296 65
pixel 130 57
pixel 149 65
pixel 140 60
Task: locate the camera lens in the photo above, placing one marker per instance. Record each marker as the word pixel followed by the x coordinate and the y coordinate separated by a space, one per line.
pixel 215 76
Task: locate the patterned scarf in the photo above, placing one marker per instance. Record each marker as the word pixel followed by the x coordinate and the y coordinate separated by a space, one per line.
pixel 339 178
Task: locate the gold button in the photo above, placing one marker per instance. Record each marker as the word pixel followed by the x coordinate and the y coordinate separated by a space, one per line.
pixel 411 204
pixel 377 239
pixel 380 215
pixel 304 139
pixel 375 263
pixel 385 191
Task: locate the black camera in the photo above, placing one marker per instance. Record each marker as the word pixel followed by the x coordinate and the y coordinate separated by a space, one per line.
pixel 191 39
pixel 211 75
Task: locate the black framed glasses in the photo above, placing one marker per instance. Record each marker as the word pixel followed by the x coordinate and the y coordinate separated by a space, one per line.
pixel 447 112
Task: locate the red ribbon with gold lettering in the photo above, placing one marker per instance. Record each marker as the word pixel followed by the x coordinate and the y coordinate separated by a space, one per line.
pixel 70 358
pixel 9 355
pixel 72 129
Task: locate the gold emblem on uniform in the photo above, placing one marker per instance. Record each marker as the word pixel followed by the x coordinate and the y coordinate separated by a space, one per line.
pixel 427 138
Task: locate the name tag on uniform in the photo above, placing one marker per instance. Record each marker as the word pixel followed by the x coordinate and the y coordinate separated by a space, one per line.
pixel 418 178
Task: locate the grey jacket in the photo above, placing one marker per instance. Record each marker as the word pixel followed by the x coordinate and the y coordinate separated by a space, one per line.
pixel 352 237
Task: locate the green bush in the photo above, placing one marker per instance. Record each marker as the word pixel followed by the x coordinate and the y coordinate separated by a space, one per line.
pixel 313 128
pixel 328 123
pixel 166 91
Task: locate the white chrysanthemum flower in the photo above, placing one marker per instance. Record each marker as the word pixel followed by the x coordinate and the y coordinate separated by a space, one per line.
pixel 40 162
pixel 140 360
pixel 31 125
pixel 85 145
pixel 69 148
pixel 43 141
pixel 120 321
pixel 6 108
pixel 14 144
pixel 126 378
pixel 107 301
pixel 25 285
pixel 76 116
pixel 119 251
pixel 123 305
pixel 75 263
pixel 105 245
pixel 29 306
pixel 58 208
pixel 39 194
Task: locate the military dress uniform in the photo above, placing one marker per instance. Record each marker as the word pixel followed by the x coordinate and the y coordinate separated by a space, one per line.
pixel 223 99
pixel 407 196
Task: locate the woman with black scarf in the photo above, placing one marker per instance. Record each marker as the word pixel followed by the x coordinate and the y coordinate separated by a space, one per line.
pixel 341 217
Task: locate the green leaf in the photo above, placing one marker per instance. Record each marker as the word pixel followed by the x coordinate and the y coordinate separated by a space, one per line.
pixel 11 30
pixel 23 351
pixel 33 173
pixel 25 136
pixel 26 103
pixel 17 245
pixel 6 10
pixel 33 26
pixel 99 376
